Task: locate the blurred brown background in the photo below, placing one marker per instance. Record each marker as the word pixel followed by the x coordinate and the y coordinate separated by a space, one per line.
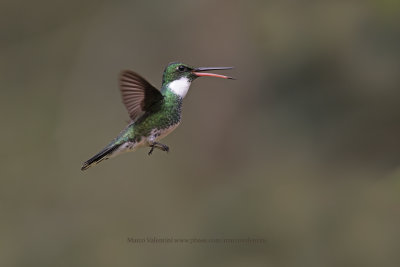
pixel 302 149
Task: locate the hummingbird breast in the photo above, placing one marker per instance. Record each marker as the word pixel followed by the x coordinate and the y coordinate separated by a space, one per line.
pixel 159 123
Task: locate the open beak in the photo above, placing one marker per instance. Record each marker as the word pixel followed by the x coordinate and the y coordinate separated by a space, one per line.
pixel 199 72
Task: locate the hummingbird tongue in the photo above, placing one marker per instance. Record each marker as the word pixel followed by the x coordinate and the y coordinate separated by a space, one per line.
pixel 198 72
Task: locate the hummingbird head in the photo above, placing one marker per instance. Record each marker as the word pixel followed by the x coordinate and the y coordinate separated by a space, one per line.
pixel 178 76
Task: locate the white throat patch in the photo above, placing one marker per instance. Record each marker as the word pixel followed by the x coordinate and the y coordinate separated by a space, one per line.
pixel 180 87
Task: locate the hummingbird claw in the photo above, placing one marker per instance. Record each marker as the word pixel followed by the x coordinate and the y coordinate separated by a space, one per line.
pixel 164 148
pixel 159 146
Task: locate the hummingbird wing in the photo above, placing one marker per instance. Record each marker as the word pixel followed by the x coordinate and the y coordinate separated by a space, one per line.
pixel 138 95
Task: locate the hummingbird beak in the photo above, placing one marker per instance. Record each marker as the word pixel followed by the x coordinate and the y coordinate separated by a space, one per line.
pixel 199 72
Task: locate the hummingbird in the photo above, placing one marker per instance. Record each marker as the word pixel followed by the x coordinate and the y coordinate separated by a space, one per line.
pixel 154 114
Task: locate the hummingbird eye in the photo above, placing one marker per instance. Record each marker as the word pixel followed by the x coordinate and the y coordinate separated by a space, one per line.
pixel 181 68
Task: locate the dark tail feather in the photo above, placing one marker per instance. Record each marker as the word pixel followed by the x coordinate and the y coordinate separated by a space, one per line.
pixel 102 155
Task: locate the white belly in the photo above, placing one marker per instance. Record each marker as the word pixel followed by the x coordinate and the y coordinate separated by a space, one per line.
pixel 154 136
pixel 127 147
pixel 157 135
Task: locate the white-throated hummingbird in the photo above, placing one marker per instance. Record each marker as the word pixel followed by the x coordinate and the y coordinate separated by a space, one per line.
pixel 154 114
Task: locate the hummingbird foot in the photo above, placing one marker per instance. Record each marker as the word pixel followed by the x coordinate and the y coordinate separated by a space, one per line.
pixel 159 146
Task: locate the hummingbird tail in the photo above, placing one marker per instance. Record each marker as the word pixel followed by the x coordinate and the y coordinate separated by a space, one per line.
pixel 102 155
